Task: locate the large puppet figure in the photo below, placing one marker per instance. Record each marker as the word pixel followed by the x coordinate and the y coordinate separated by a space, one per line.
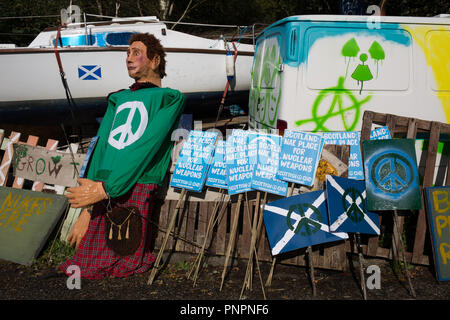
pixel 128 164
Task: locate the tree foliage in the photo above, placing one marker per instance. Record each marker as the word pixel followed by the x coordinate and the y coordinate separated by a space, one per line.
pixel 231 12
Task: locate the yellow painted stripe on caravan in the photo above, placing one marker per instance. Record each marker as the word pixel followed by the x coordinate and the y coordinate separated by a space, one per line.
pixel 438 59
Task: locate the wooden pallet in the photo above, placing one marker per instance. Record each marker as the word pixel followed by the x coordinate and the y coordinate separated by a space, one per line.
pixel 6 157
pixel 404 127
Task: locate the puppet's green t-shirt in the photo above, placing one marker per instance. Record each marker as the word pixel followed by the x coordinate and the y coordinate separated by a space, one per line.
pixel 134 144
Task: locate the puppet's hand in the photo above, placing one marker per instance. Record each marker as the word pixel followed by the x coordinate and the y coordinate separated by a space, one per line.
pixel 89 192
pixel 79 229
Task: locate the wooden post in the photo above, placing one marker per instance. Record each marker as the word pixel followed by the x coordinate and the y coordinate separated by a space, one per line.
pixel 233 232
pixel 311 270
pixel 361 266
pixel 166 237
pixel 274 259
pixel 411 288
pixel 211 223
pixel 256 230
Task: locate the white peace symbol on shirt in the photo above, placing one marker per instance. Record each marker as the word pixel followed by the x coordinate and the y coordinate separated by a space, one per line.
pixel 126 135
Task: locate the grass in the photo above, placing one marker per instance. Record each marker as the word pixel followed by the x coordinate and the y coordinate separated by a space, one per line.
pixel 55 253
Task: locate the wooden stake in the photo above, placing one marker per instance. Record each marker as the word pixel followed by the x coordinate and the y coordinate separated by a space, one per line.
pixel 208 229
pixel 274 259
pixel 411 288
pixel 233 232
pixel 224 206
pixel 166 237
pixel 311 270
pixel 256 230
pixel 361 266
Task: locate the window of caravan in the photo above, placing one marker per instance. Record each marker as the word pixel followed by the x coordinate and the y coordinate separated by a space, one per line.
pixel 361 60
pixel 438 56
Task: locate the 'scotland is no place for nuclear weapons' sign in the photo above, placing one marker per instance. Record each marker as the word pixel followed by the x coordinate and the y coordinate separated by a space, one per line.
pixel 192 164
pixel 264 152
pixel 239 167
pixel 27 218
pixel 352 139
pixel 298 222
pixel 300 154
pixel 217 173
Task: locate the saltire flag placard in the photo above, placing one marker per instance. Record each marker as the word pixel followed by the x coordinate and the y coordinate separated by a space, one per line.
pixel 217 173
pixel 300 155
pixel 195 157
pixel 347 208
pixel 298 222
pixel 239 168
pixel 264 151
pixel 391 175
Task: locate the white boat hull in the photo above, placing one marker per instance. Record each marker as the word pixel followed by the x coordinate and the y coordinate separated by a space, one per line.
pixel 30 78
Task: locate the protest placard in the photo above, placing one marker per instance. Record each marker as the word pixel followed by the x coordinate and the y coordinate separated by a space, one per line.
pixel 264 152
pixel 239 168
pixel 194 160
pixel 26 220
pixel 51 167
pixel 391 175
pixel 439 221
pixel 299 157
pixel 352 139
pixel 217 173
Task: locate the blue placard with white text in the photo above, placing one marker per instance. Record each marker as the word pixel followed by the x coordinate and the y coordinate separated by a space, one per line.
pixel 217 173
pixel 239 168
pixel 264 152
pixel 299 157
pixel 194 160
pixel 352 139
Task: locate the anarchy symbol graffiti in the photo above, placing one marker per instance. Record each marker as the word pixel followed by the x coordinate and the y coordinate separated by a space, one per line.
pixel 392 173
pixel 310 226
pixel 354 212
pixel 124 134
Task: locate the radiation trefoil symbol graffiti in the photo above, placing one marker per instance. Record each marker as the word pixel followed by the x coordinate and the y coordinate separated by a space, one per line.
pixel 362 72
pixel 344 104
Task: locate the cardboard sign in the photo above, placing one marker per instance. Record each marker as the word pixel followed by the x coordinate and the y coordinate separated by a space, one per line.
pixel 51 167
pixel 438 205
pixel 194 160
pixel 26 220
pixel 264 152
pixel 239 168
pixel 347 208
pixel 300 155
pixel 217 173
pixel 391 175
pixel 297 222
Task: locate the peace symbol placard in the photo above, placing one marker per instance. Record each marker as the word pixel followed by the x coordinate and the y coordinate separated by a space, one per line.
pixel 298 222
pixel 347 207
pixel 391 175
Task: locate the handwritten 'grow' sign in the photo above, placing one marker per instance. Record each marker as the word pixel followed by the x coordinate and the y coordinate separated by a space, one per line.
pixel 52 167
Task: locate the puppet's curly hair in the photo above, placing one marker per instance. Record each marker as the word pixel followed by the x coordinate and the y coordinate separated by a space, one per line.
pixel 154 47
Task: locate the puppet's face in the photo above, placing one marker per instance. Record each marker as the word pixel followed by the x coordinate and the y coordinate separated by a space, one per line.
pixel 139 66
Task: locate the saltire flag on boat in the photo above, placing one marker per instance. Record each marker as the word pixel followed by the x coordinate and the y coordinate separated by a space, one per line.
pixel 89 72
pixel 297 222
pixel 347 208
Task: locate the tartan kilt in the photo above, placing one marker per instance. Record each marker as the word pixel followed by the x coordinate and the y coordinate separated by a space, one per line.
pixel 96 260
